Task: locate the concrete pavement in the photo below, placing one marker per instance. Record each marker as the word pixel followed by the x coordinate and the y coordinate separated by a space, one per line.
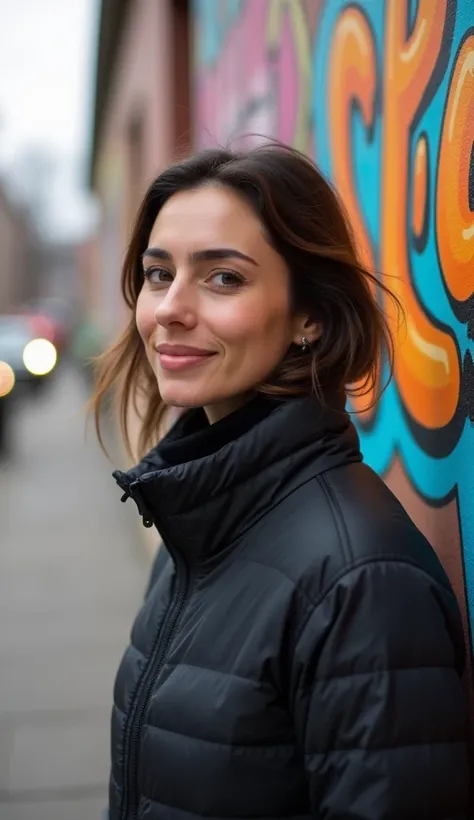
pixel 72 573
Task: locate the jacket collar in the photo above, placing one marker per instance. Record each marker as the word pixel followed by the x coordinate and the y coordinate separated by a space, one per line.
pixel 245 465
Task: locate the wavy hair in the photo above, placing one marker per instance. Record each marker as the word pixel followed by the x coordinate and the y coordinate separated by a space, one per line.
pixel 305 222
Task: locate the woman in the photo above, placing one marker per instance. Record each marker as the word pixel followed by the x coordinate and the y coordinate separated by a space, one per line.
pixel 299 652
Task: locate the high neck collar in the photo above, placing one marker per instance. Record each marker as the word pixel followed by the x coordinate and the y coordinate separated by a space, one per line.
pixel 193 437
pixel 205 485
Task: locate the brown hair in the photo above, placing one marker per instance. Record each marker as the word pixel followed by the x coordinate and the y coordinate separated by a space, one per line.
pixel 306 223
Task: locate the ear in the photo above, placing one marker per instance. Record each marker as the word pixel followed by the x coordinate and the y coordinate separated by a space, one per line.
pixel 307 327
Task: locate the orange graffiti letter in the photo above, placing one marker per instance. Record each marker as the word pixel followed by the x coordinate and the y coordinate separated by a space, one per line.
pixel 454 218
pixel 427 364
pixel 352 76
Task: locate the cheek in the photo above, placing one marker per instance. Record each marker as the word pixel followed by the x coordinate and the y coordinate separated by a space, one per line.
pixel 263 319
pixel 145 316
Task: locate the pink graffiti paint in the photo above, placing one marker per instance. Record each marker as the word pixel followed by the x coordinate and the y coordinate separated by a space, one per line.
pixel 236 95
pixel 287 82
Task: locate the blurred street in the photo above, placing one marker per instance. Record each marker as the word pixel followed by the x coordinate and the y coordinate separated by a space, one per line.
pixel 72 573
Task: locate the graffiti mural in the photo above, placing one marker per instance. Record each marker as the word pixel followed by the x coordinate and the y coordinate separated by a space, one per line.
pixel 267 91
pixel 382 95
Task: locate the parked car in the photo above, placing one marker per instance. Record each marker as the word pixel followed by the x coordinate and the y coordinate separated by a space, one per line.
pixel 54 318
pixel 31 358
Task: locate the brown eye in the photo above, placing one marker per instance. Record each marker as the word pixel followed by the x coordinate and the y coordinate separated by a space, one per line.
pixel 157 276
pixel 227 279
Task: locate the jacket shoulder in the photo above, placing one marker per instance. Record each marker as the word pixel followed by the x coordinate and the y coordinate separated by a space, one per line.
pixel 339 520
pixel 372 524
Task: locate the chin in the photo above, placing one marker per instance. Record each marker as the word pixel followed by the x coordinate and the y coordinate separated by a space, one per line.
pixel 187 396
pixel 183 396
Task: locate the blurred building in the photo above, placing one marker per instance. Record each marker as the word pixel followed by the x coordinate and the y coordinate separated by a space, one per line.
pixel 381 95
pixel 32 267
pixel 88 278
pixel 142 118
pixel 18 244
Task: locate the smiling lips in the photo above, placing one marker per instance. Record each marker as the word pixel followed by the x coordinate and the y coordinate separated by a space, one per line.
pixel 181 357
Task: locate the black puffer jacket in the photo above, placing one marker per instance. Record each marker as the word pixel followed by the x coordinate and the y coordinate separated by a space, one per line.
pixel 299 651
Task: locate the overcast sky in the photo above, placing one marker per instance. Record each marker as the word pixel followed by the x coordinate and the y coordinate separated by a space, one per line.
pixel 47 71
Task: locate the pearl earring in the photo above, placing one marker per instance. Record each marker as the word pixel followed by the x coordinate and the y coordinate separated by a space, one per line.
pixel 304 344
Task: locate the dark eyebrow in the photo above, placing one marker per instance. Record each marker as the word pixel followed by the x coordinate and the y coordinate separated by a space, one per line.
pixel 157 253
pixel 201 256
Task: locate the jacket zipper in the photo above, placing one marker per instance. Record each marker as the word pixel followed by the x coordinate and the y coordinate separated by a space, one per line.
pixel 142 698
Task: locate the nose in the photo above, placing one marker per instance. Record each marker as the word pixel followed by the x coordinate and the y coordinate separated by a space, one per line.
pixel 177 306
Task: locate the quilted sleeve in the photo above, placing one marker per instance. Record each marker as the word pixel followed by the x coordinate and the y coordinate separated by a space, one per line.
pixel 378 702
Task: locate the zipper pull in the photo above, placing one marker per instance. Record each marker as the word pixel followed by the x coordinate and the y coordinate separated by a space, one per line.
pixel 130 492
pixel 143 509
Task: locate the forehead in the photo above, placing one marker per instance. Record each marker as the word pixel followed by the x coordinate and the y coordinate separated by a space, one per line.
pixel 206 214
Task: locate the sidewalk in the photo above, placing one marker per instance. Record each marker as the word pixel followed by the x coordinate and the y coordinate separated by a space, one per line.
pixel 72 572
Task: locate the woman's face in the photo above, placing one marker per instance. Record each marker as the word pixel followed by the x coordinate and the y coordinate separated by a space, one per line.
pixel 214 312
